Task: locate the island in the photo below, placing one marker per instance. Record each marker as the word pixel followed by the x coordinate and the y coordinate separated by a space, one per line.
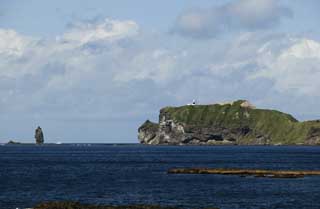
pixel 232 123
pixel 12 142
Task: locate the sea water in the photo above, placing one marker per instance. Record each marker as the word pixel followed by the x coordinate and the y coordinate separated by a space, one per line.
pixel 136 174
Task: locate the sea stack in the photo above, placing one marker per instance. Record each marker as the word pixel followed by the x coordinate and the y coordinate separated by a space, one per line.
pixel 39 136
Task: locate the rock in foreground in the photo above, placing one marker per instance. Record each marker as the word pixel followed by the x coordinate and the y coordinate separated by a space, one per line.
pixel 76 205
pixel 245 172
pixel 235 123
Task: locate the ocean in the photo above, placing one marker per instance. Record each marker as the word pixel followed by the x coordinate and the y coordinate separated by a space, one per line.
pixel 137 174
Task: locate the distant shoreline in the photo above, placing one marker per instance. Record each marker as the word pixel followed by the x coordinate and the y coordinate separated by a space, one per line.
pixel 158 145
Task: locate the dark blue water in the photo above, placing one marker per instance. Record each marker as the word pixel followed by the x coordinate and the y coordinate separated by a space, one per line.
pixel 134 174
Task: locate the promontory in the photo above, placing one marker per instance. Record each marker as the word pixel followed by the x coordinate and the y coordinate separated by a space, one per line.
pixel 233 123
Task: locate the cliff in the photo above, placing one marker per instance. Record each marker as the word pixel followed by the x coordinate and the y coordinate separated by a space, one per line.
pixel 231 123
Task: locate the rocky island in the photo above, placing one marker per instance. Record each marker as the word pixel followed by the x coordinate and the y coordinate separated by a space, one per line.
pixel 234 123
pixel 12 142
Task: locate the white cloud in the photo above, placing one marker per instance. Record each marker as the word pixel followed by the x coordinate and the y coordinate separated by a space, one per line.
pixel 237 15
pixel 92 65
pixel 294 68
pixel 108 30
pixel 12 44
pixel 158 65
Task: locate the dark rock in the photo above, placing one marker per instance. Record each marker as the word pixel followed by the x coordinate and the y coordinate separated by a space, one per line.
pixel 76 205
pixel 39 136
pixel 246 172
pixel 13 142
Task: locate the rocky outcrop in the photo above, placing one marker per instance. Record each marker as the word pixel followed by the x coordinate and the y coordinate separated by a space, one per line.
pixel 148 131
pixel 247 172
pixel 39 136
pixel 76 205
pixel 232 123
pixel 314 134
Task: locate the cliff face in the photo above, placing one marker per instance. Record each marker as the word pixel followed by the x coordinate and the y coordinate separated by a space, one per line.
pixel 233 123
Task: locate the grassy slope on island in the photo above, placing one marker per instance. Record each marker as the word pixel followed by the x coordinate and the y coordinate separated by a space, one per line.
pixel 280 127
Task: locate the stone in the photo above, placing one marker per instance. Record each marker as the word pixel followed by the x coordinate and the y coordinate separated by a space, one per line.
pixel 39 136
pixel 77 205
pixel 247 172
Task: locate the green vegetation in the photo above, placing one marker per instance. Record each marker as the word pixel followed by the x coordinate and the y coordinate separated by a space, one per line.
pixel 148 125
pixel 279 127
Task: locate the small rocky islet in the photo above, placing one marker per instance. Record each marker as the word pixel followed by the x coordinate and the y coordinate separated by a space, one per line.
pixel 246 172
pixel 233 123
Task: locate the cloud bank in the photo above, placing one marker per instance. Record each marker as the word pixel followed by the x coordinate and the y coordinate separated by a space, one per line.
pixel 100 77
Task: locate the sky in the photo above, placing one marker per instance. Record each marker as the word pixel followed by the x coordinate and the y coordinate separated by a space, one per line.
pixel 94 71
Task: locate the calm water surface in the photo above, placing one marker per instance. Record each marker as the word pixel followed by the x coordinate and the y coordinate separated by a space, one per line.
pixel 135 174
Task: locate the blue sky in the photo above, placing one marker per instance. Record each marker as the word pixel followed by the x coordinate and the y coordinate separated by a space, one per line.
pixel 93 71
pixel 48 18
